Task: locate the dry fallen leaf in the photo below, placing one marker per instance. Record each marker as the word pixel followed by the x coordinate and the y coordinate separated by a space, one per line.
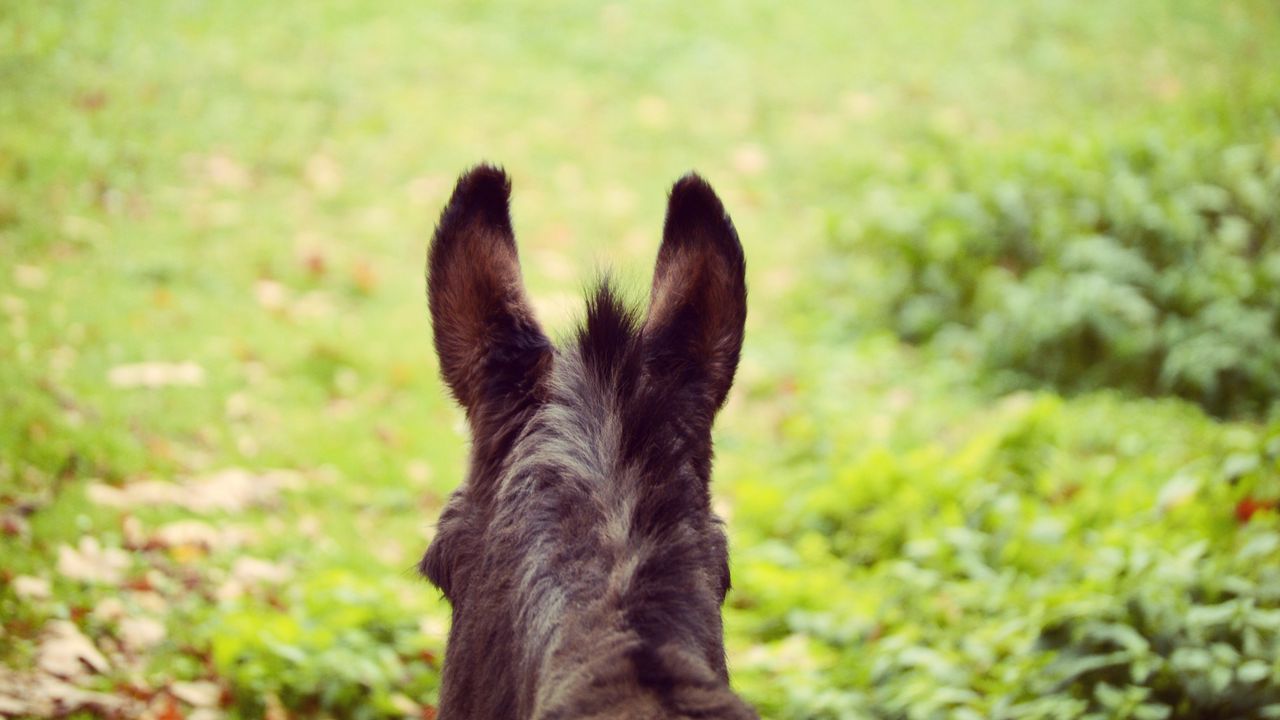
pixel 14 525
pixel 12 706
pixel 418 471
pixel 312 305
pixel 405 706
pixel 141 633
pixel 163 707
pixel 392 552
pixel 271 295
pixel 238 406
pixel 364 277
pixel 150 601
pixel 200 693
pixel 433 626
pixel 229 490
pixel 28 694
pixel 131 529
pixel 249 572
pixel 156 374
pixel 198 534
pixel 64 651
pixel 253 571
pixel 29 587
pixel 90 562
pixel 750 159
pixel 315 263
pixel 30 277
pixel 324 174
pixel 108 610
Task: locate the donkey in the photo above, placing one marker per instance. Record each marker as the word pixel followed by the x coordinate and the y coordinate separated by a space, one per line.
pixel 581 557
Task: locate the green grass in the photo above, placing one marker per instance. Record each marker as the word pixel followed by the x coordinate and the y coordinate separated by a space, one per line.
pixel 250 187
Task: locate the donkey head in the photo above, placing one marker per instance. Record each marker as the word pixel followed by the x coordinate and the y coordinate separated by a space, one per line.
pixel 581 556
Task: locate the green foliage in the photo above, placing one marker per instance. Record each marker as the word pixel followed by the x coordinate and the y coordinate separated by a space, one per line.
pixel 340 645
pixel 1150 265
pixel 1054 560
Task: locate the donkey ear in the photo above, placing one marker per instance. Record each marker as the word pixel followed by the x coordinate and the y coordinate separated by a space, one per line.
pixel 698 306
pixel 488 341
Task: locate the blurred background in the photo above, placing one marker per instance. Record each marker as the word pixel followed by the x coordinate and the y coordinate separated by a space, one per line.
pixel 1005 441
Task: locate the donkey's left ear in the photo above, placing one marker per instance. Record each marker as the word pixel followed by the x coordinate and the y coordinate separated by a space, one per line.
pixel 698 305
pixel 490 346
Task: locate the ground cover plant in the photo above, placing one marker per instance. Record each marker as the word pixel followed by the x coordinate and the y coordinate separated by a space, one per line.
pixel 1151 265
pixel 1004 440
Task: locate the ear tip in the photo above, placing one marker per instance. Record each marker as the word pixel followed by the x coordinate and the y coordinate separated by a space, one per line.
pixel 486 176
pixel 693 194
pixel 483 192
pixel 695 210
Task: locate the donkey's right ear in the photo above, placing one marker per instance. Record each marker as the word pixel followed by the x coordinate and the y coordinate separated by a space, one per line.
pixel 489 343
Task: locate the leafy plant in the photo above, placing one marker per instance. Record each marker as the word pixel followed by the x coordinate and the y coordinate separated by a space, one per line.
pixel 1149 265
pixel 1059 559
pixel 335 643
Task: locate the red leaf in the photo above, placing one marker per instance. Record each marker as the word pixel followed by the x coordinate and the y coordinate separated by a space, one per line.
pixel 1246 508
pixel 168 710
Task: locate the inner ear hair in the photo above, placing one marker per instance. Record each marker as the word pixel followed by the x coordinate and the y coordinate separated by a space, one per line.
pixel 486 336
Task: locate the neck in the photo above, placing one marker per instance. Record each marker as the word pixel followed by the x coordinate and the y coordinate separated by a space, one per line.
pixel 598 669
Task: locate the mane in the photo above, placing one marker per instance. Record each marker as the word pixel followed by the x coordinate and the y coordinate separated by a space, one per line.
pixel 655 432
pixel 608 338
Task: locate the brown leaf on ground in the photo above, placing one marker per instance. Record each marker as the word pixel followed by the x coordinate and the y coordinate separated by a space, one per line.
pixel 65 652
pixel 29 587
pixel 12 706
pixel 271 295
pixel 90 562
pixel 315 263
pixel 30 277
pixel 201 693
pixel 139 634
pixel 364 277
pixel 405 706
pixel 155 375
pixel 275 708
pixel 164 708
pixel 36 695
pixel 229 490
pixel 750 159
pixel 312 305
pixel 250 572
pixel 131 529
pixel 14 525
pixel 324 174
pixel 195 533
pixel 108 610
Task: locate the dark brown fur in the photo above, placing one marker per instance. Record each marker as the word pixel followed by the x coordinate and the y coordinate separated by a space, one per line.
pixel 584 564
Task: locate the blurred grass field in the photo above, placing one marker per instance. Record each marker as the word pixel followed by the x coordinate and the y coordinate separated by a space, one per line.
pixel 213 222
